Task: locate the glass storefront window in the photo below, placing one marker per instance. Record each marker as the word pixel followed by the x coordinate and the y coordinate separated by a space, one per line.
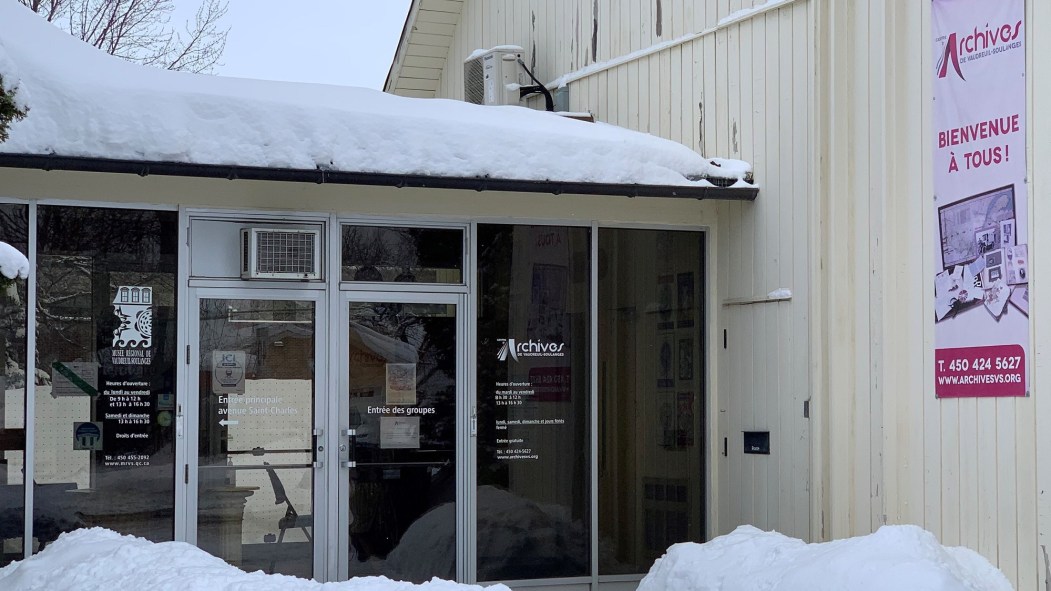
pixel 106 399
pixel 651 401
pixel 404 255
pixel 14 227
pixel 105 371
pixel 534 376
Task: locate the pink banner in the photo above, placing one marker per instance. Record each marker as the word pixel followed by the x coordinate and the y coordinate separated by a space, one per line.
pixel 981 213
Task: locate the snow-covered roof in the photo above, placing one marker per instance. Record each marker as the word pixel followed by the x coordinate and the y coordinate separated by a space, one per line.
pixel 84 103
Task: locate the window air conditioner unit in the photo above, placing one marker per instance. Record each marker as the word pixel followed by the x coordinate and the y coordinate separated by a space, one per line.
pixel 493 76
pixel 278 253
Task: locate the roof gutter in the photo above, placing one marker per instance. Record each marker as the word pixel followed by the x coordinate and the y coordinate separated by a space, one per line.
pixel 321 177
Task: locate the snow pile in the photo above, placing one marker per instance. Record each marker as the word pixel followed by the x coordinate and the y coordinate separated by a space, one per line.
pixel 892 559
pixel 511 529
pixel 101 560
pixel 86 103
pixel 13 264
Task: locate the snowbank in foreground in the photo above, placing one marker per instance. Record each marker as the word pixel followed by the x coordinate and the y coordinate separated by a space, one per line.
pixel 101 560
pixel 895 558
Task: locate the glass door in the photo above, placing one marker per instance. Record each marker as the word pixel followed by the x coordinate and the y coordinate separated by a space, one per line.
pixel 399 428
pixel 254 473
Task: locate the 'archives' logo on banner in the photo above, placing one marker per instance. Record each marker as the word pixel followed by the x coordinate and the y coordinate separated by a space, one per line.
pixel 976 45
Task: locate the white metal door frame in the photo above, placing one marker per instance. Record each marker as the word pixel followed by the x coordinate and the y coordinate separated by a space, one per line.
pixel 188 421
pixel 339 421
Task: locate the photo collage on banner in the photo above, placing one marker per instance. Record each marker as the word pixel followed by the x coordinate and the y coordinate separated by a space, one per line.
pixel 981 281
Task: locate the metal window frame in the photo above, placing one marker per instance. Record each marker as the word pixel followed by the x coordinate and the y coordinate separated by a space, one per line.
pixel 339 420
pixel 708 428
pixel 332 296
pixel 188 215
pixel 434 223
pixel 29 453
pixel 596 580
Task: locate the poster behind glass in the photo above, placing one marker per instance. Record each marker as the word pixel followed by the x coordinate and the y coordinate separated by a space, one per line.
pixel 105 394
pixel 533 389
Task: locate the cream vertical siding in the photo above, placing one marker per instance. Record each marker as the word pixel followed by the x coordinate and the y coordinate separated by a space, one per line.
pixel 739 91
pixel 831 102
pixel 1033 419
pixel 965 469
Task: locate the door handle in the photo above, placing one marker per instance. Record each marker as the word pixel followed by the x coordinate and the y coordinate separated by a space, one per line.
pixel 352 435
pixel 315 448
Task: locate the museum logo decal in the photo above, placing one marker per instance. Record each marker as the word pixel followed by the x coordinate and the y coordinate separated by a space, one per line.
pixel 529 348
pixel 133 338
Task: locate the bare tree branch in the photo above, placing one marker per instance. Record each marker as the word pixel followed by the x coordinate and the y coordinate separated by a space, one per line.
pixel 141 30
pixel 49 9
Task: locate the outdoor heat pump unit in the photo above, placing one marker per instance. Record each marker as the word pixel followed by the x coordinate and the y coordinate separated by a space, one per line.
pixel 494 76
pixel 280 253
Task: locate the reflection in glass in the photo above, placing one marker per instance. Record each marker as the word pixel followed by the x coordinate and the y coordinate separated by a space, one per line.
pixel 402 401
pixel 651 384
pixel 105 371
pixel 404 255
pixel 255 439
pixel 14 224
pixel 533 388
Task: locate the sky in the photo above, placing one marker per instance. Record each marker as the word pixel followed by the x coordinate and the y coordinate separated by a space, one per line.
pixel 342 42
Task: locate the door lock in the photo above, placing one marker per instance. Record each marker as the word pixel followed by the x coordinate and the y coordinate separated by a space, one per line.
pixel 343 447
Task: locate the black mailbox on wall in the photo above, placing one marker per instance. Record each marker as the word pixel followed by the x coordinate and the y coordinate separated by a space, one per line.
pixel 757 442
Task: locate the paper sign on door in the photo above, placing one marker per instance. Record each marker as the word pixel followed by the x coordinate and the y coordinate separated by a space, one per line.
pixel 400 432
pixel 228 372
